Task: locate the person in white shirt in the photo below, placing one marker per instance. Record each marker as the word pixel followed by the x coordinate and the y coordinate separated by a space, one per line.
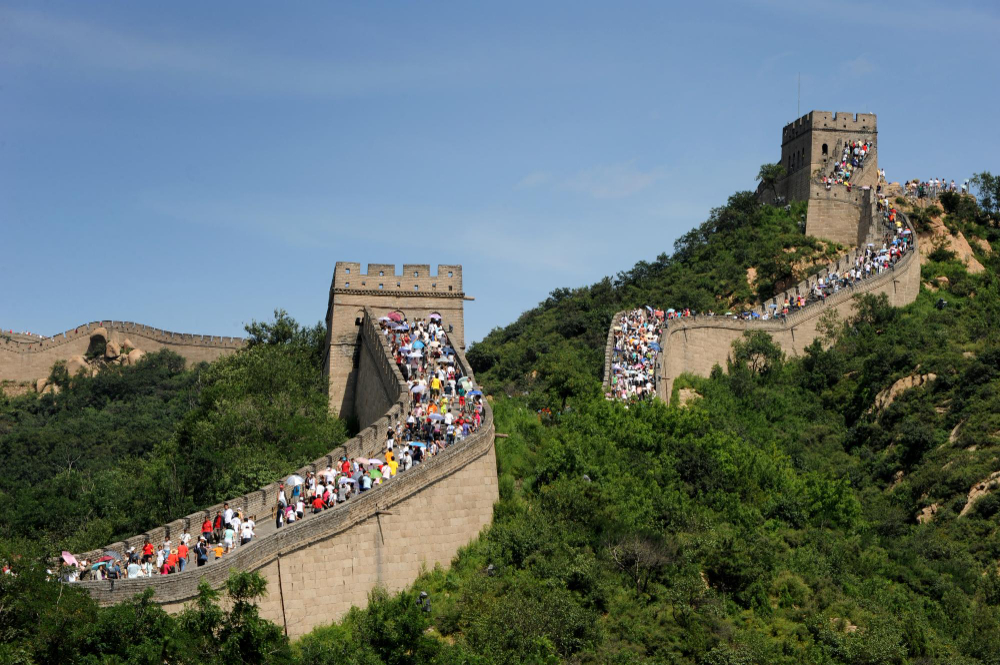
pixel 300 508
pixel 247 531
pixel 227 515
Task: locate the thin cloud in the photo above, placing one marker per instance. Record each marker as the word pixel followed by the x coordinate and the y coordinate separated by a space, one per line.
pixel 532 180
pixel 33 39
pixel 614 181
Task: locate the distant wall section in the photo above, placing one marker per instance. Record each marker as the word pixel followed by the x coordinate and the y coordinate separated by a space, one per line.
pixel 695 346
pixel 29 360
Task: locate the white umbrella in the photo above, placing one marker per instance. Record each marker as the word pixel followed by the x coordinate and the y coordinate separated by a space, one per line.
pixel 294 480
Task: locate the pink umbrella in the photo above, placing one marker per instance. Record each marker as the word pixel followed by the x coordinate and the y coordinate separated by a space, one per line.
pixel 69 558
pixel 396 316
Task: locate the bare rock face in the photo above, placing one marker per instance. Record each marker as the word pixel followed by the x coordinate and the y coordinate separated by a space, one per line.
pixel 981 489
pixel 928 513
pixel 134 356
pixel 75 364
pixel 112 350
pixel 887 396
pixel 40 385
pixel 687 395
pixel 127 345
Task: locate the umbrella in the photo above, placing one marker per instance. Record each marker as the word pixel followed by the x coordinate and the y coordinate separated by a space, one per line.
pixel 395 316
pixel 98 565
pixel 655 346
pixel 105 559
pixel 417 389
pixel 69 558
pixel 414 354
pixel 435 344
pixel 111 553
pixel 465 379
pixel 401 326
pixel 435 416
pixel 432 317
pixel 649 308
pixel 447 360
pixel 448 350
pixel 417 444
pixel 671 310
pixel 371 460
pixel 475 392
pixel 375 473
pixel 294 480
pixel 418 344
pixel 384 319
pixel 344 480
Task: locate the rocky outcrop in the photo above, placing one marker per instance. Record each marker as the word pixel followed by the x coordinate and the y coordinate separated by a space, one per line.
pixel 887 396
pixel 114 353
pixel 981 489
pixel 928 513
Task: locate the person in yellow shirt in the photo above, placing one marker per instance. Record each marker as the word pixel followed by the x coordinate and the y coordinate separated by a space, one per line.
pixel 435 387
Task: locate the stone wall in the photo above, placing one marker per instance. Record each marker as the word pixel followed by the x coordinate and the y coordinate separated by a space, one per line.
pixel 318 568
pixel 27 360
pixel 609 347
pixel 416 293
pixel 696 345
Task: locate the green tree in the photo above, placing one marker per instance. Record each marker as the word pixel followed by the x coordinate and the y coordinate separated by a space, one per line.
pixel 769 175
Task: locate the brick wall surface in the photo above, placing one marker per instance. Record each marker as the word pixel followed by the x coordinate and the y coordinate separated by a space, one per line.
pixel 318 568
pixel 695 346
pixel 29 360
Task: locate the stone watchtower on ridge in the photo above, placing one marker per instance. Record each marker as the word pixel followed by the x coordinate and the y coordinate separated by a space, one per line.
pixel 810 147
pixel 415 293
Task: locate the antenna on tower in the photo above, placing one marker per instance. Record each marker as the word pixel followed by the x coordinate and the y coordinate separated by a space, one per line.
pixel 798 100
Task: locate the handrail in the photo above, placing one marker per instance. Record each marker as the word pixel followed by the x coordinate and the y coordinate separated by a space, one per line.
pixel 609 348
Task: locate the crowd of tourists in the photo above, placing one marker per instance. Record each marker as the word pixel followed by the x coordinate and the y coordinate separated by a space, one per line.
pixel 933 187
pixel 445 408
pixel 634 352
pixel 852 158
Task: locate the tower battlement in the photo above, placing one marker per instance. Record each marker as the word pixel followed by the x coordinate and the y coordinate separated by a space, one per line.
pixel 835 121
pixel 415 277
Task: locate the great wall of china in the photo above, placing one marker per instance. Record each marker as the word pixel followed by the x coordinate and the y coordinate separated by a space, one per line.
pixel 318 568
pixel 695 345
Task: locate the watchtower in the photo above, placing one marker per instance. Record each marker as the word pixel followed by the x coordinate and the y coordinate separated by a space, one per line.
pixel 415 293
pixel 810 146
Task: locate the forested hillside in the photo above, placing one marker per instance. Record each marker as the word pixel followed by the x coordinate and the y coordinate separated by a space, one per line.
pixel 131 448
pixel 774 519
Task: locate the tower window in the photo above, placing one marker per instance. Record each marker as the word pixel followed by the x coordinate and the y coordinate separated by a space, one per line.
pixel 381 273
pixel 825 150
pixel 347 285
pixel 450 274
pixel 347 270
pixel 416 274
pixel 379 287
pixel 416 287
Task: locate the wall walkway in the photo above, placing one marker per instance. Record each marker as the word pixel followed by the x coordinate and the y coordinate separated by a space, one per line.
pixel 317 568
pixel 697 344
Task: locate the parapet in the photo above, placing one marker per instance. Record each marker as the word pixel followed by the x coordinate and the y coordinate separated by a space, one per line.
pixel 830 121
pixel 416 277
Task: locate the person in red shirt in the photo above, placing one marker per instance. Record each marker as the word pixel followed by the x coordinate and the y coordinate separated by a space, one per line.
pixel 206 529
pixel 171 563
pixel 182 556
pixel 317 503
pixel 345 466
pixel 147 551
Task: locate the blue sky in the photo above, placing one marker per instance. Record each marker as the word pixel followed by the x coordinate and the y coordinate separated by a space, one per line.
pixel 195 165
